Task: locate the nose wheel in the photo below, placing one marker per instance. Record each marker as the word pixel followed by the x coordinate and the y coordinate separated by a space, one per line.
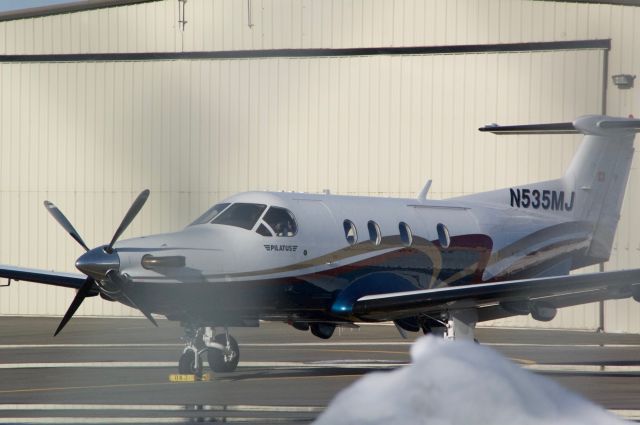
pixel 187 365
pixel 227 358
pixel 222 351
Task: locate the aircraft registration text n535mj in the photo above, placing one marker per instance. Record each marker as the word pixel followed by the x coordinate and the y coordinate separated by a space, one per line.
pixel 541 199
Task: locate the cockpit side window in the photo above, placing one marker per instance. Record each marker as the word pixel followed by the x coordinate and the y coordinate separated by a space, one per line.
pixel 210 214
pixel 281 221
pixel 240 215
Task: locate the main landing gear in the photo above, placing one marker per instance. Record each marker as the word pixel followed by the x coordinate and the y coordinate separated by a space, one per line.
pixel 451 325
pixel 222 351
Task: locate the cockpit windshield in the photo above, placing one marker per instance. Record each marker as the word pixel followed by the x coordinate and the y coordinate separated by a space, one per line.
pixel 210 214
pixel 240 215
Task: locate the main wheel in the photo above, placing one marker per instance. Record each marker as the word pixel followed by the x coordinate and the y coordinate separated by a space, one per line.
pixel 224 360
pixel 187 363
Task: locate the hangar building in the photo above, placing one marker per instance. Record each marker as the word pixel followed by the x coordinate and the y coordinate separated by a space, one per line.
pixel 200 99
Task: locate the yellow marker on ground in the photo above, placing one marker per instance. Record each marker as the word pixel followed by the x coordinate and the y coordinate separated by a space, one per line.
pixel 181 377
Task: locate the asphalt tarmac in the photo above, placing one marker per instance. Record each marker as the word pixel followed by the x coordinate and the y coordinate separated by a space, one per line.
pixel 116 370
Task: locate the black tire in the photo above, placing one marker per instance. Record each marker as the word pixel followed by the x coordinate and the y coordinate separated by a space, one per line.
pixel 221 362
pixel 322 330
pixel 187 363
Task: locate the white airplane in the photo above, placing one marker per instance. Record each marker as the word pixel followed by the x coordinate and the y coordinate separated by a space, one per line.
pixel 321 261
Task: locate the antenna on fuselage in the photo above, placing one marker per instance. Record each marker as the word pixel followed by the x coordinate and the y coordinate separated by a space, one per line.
pixel 422 196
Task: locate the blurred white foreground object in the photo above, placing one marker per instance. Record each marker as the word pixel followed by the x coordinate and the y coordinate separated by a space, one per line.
pixel 460 383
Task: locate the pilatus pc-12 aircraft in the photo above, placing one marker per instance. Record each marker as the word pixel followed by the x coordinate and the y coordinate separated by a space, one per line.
pixel 321 261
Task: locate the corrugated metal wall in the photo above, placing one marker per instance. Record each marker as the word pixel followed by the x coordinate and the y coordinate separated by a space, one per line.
pixel 90 135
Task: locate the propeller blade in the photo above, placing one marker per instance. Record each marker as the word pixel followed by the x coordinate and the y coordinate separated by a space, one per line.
pixel 62 220
pixel 143 310
pixel 128 218
pixel 149 316
pixel 84 290
pixel 114 276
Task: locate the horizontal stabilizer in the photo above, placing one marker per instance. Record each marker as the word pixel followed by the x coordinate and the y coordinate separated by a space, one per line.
pixel 554 128
pixel 626 124
pixel 588 124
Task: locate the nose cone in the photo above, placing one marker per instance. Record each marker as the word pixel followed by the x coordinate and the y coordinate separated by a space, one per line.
pixel 97 262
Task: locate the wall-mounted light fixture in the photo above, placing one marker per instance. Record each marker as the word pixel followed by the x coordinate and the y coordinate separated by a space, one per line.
pixel 623 81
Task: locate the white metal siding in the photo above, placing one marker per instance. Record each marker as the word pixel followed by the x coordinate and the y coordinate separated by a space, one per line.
pixel 90 135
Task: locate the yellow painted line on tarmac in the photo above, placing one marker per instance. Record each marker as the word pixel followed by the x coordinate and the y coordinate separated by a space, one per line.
pixel 97 387
pixel 111 386
pixel 367 351
pixel 328 350
pixel 288 378
pixel 86 387
pixel 522 361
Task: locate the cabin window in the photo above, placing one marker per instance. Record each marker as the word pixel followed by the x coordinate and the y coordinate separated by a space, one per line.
pixel 405 234
pixel 281 221
pixel 240 215
pixel 210 214
pixel 262 230
pixel 443 235
pixel 350 232
pixel 374 232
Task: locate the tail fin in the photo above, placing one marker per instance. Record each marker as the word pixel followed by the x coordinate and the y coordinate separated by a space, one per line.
pixel 600 170
pixel 593 187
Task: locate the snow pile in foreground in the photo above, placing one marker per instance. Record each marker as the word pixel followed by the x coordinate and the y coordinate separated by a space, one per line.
pixel 460 383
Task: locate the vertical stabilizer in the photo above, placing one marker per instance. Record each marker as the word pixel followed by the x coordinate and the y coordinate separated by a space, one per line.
pixel 598 176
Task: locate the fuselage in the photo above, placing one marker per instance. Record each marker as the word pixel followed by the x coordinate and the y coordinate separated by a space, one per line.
pixel 306 257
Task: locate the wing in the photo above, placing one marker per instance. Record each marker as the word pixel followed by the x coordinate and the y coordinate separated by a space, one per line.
pixel 67 280
pixel 502 299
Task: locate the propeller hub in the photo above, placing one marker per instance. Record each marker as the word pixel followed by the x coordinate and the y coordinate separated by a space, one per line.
pixel 97 262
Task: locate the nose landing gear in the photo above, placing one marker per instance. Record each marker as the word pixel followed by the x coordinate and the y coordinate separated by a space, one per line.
pixel 223 353
pixel 190 362
pixel 223 359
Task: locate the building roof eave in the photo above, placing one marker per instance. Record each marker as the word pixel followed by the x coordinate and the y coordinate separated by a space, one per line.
pixel 70 7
